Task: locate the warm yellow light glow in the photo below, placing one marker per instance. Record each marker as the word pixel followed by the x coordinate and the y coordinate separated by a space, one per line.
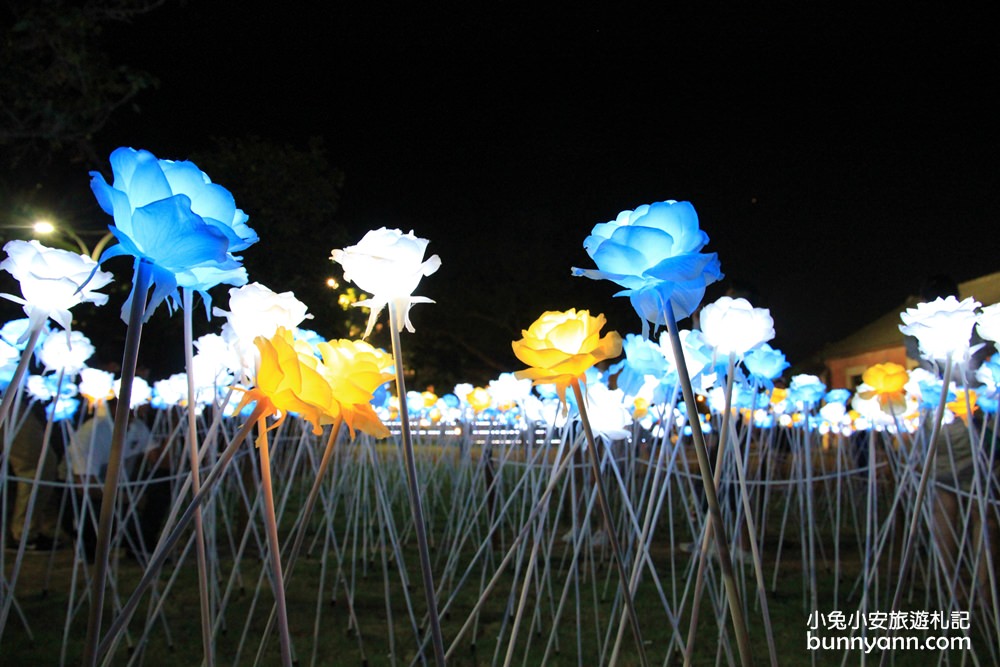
pixel 43 227
pixel 332 283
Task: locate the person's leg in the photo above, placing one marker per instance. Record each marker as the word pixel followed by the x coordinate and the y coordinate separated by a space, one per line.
pixel 23 465
pixel 46 515
pixel 155 507
pixel 984 542
pixel 19 511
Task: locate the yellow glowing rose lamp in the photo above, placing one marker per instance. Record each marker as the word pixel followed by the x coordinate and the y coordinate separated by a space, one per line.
pixel 355 370
pixel 479 399
pixel 560 346
pixel 886 382
pixel 288 377
pixel 959 407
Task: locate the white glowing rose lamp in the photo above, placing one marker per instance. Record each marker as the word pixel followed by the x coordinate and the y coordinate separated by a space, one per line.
pixel 942 327
pixel 256 310
pixel 96 385
pixel 172 391
pixel 141 391
pixel 53 280
pixel 988 323
pixel 733 326
pixel 66 351
pixel 608 414
pixel 388 264
pixel 507 389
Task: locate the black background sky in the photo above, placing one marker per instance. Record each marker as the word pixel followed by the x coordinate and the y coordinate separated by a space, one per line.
pixel 836 154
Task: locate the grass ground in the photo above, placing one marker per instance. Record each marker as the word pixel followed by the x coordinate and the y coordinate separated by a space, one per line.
pixel 320 620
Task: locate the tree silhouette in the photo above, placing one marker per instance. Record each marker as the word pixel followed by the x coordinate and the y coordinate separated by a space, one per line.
pixel 60 88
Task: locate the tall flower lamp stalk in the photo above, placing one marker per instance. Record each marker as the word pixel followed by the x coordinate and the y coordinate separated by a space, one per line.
pixel 389 264
pixel 143 276
pixel 654 253
pixel 353 370
pixel 396 313
pixel 943 329
pixel 711 498
pixel 559 348
pixel 616 549
pixel 176 224
pixel 733 328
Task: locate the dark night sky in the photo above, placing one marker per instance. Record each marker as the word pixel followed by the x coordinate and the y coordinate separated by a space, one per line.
pixel 836 156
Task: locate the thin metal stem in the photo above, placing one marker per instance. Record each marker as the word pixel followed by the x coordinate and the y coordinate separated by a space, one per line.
pixel 278 581
pixel 395 324
pixel 143 276
pixel 609 524
pixel 192 442
pixel 168 542
pixel 925 476
pixel 715 513
pixel 303 521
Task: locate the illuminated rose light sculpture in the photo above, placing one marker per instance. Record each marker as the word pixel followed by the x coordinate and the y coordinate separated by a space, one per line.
pixel 734 327
pixel 50 387
pixel 943 329
pixel 141 393
pixel 609 417
pixel 257 311
pixel 559 348
pixel 96 385
pixel 66 351
pixel 805 391
pixel 355 370
pixel 389 264
pixel 644 365
pixel 886 383
pixel 52 281
pixel 654 252
pixel 289 380
pixel 479 399
pixel 765 364
pixel 181 230
pixel 170 214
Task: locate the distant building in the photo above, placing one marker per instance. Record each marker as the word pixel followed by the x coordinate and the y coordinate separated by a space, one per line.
pixel 881 341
